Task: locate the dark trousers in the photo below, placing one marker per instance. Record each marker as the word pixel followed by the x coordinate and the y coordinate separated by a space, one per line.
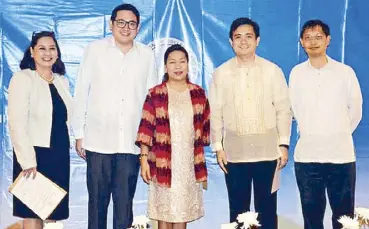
pixel 238 181
pixel 111 175
pixel 314 179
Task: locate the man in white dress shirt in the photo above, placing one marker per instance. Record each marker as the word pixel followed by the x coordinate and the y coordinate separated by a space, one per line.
pixel 327 105
pixel 250 124
pixel 111 86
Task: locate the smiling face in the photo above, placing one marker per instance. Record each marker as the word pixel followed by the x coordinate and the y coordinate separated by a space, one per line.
pixel 44 53
pixel 177 66
pixel 244 41
pixel 125 27
pixel 315 42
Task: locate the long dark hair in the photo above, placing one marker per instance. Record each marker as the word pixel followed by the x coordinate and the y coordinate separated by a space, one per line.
pixel 175 47
pixel 29 62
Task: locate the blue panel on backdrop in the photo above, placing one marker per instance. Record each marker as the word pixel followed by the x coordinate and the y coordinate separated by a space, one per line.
pixel 332 12
pixel 179 22
pixel 356 50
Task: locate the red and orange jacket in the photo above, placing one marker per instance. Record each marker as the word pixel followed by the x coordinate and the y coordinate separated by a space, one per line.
pixel 154 131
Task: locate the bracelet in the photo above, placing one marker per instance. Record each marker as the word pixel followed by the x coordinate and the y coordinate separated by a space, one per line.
pixel 142 155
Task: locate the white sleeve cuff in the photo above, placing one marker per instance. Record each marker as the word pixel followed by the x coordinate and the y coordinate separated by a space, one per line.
pixel 216 146
pixel 78 134
pixel 29 165
pixel 284 140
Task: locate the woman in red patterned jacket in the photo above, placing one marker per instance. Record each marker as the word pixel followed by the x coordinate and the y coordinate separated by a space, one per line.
pixel 173 132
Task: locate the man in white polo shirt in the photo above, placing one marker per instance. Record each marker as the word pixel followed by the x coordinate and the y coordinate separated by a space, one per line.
pixel 327 105
pixel 111 86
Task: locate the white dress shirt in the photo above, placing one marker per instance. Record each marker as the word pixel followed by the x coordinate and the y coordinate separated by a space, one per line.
pixel 30 113
pixel 109 93
pixel 250 111
pixel 327 105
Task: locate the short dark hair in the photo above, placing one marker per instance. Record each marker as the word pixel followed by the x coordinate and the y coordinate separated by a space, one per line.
pixel 244 21
pixel 175 47
pixel 314 23
pixel 128 7
pixel 28 62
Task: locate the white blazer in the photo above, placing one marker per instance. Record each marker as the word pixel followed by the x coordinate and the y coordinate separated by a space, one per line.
pixel 30 113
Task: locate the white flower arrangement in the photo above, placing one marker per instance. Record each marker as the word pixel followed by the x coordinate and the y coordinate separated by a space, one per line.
pixel 247 220
pixel 53 225
pixel 363 216
pixel 360 220
pixel 140 222
pixel 349 223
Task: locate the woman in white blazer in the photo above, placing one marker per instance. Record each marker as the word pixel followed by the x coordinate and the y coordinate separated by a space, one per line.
pixel 38 114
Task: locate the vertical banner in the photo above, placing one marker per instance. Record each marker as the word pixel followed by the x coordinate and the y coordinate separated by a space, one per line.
pixel 179 22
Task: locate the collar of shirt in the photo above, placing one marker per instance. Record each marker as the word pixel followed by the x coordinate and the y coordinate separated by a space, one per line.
pixel 112 44
pixel 327 66
pixel 236 65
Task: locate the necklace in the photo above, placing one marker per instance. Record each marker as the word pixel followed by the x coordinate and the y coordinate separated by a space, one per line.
pixel 44 78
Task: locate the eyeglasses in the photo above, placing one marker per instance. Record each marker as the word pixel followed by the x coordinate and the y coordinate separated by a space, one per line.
pixel 132 25
pixel 42 33
pixel 311 38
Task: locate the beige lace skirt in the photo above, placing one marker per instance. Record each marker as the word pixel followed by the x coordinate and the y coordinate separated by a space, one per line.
pixel 182 202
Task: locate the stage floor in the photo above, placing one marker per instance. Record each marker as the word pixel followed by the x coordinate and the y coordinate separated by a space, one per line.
pixel 215 198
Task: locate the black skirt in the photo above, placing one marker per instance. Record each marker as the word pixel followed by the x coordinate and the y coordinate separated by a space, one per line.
pixel 53 162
